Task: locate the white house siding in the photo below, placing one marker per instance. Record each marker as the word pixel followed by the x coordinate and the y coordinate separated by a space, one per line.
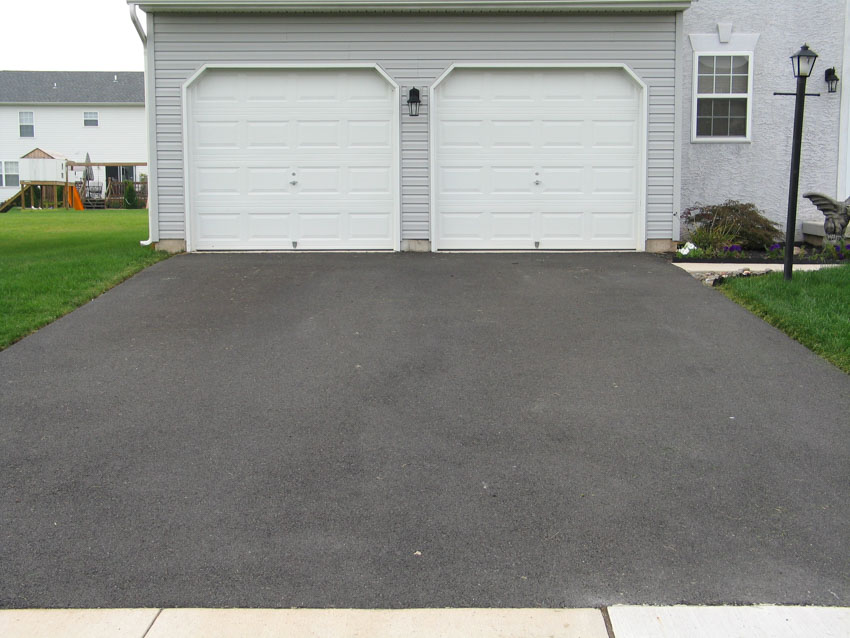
pixel 758 172
pixel 121 134
pixel 414 50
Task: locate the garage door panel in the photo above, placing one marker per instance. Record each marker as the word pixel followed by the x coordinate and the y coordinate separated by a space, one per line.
pixel 614 134
pixel 286 156
pixel 560 134
pixel 542 156
pixel 320 226
pixel 317 87
pixel 273 94
pixel 466 180
pixel 612 225
pixel 510 180
pixel 317 134
pixel 219 181
pixel 460 133
pixel 370 181
pixel 512 133
pixel 268 135
pixel 319 180
pixel 268 181
pixel 270 226
pixel 220 226
pixel 562 180
pixel 614 180
pixel 562 225
pixel 366 226
pixel 511 225
pixel 213 135
pixel 375 134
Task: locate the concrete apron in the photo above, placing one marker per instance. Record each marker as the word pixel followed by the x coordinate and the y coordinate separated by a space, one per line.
pixel 621 621
pixel 726 267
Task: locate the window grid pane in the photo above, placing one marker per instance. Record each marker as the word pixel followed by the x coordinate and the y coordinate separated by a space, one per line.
pixel 722 75
pixel 722 117
pixel 12 175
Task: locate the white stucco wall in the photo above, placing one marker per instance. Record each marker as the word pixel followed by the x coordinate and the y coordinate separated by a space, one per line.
pixel 758 171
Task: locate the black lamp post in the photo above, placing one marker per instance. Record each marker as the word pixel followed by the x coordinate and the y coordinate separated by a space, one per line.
pixel 803 61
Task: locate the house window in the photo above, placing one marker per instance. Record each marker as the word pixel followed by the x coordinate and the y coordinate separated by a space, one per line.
pixel 11 176
pixel 25 120
pixel 723 96
pixel 89 118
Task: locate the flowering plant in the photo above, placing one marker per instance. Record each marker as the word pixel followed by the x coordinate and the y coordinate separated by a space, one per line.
pixel 687 248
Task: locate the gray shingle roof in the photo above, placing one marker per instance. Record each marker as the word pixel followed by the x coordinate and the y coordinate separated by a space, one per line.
pixel 72 87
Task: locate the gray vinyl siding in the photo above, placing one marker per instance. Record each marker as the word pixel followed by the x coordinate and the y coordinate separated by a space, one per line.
pixel 415 50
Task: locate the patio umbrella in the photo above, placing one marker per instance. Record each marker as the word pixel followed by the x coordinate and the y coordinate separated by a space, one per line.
pixel 88 173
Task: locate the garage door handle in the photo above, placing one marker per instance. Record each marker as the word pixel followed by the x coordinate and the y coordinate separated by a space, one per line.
pixel 537 182
pixel 294 182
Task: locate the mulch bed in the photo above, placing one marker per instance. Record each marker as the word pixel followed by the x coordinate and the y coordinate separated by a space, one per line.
pixel 812 256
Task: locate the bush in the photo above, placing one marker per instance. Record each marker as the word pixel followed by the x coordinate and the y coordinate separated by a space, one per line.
pixel 712 235
pixel 748 226
pixel 131 200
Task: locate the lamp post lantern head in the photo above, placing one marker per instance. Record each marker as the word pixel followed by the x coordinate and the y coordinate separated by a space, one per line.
pixel 831 79
pixel 413 102
pixel 803 62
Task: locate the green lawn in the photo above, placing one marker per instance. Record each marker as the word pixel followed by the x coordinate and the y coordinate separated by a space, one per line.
pixel 813 308
pixel 54 261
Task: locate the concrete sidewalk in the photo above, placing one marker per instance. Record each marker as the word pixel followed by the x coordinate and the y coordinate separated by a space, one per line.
pixel 621 621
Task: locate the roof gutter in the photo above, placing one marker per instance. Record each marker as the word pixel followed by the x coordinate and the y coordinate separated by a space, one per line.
pixel 134 16
pixel 417 6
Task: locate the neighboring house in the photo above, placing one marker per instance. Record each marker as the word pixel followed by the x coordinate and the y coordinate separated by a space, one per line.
pixel 543 124
pixel 68 115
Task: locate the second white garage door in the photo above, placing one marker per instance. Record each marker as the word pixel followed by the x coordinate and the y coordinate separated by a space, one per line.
pixel 538 158
pixel 283 159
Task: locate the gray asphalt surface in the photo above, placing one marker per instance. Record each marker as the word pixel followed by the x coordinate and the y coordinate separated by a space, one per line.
pixel 418 430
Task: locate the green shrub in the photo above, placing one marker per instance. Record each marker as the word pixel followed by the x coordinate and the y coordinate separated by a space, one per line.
pixel 712 235
pixel 750 228
pixel 131 200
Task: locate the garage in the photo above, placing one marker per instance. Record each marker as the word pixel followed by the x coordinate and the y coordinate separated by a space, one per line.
pixel 538 158
pixel 292 158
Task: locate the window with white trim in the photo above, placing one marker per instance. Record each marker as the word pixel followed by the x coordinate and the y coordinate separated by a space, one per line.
pixel 722 97
pixel 90 118
pixel 26 124
pixel 10 175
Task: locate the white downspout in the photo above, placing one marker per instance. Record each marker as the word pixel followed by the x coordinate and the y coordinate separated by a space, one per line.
pixel 134 17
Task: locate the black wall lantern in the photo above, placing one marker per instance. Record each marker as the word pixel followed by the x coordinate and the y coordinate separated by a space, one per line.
pixel 413 102
pixel 831 79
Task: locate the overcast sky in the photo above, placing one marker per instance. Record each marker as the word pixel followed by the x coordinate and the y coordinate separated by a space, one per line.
pixel 69 35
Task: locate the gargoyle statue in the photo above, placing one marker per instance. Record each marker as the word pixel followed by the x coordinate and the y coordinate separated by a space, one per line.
pixel 837 214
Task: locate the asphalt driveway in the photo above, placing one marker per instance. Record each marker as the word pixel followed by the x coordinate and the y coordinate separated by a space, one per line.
pixel 417 430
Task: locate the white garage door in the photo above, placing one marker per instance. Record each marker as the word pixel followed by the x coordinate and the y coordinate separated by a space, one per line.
pixel 284 159
pixel 530 158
